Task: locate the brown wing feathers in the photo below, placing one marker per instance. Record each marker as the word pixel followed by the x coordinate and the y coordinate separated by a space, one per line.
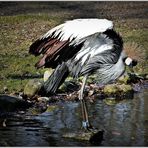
pixel 52 54
pixel 54 51
pixel 41 45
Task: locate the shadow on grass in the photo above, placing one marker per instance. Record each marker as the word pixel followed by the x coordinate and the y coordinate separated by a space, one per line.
pixel 22 77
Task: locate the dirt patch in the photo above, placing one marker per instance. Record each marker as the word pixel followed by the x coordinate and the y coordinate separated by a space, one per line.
pixel 110 10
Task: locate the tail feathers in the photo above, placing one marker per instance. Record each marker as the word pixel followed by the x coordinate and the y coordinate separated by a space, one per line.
pixel 56 79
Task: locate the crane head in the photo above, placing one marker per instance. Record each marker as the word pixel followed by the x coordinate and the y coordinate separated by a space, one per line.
pixel 130 62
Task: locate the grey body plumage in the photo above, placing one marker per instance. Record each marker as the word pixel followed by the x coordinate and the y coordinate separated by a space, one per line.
pixel 107 64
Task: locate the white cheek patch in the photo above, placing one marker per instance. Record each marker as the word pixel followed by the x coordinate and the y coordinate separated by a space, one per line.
pixel 128 61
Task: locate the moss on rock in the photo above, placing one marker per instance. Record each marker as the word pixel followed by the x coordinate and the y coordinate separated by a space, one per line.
pixel 117 89
pixel 110 101
pixel 32 87
pixel 111 89
pixel 125 88
pixel 51 108
pixel 125 79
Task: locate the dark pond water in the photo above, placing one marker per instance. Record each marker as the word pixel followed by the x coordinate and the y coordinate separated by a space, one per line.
pixel 125 124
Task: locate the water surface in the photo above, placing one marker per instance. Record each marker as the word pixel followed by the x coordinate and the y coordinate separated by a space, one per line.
pixel 125 124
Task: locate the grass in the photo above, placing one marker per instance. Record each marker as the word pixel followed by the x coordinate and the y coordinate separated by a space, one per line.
pixel 19 31
pixel 16 35
pixel 134 33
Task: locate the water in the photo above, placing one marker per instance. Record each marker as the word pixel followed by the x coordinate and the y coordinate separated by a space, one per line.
pixel 125 124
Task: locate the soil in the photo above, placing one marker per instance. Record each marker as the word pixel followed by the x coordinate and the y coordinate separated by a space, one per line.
pixel 110 10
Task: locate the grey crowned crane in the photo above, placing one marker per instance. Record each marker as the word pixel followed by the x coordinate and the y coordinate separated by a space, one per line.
pixel 81 47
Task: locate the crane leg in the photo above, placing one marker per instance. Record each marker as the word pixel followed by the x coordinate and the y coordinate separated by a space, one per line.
pixel 85 123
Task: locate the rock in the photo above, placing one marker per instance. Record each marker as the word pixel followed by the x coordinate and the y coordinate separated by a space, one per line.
pixel 97 138
pixel 146 77
pixel 51 108
pixel 131 78
pixel 92 78
pixel 69 86
pixel 125 88
pixel 12 103
pixel 3 122
pixel 125 79
pixel 44 99
pixel 5 89
pixel 4 143
pixel 117 92
pixel 32 87
pixel 47 74
pixel 94 137
pixel 138 77
pixel 135 78
pixel 110 89
pixel 79 135
pixel 91 92
pixel 38 108
pixel 117 89
pixel 110 101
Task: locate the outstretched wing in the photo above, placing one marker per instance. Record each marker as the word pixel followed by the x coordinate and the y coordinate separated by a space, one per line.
pixel 64 41
pixel 101 53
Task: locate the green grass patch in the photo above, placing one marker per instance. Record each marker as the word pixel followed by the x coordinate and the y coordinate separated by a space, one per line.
pixel 18 32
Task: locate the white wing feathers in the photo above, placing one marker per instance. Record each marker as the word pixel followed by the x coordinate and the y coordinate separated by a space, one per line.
pixel 79 28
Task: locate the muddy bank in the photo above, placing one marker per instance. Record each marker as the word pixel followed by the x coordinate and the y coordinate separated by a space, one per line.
pixel 39 102
pixel 69 90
